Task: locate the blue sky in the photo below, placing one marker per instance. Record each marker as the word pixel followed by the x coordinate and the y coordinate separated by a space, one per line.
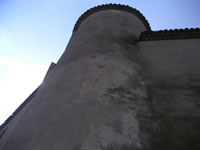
pixel 33 33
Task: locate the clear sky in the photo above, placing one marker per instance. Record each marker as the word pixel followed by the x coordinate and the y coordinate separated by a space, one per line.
pixel 33 33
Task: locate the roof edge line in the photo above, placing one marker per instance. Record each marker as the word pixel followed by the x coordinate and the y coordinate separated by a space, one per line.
pixel 112 6
pixel 171 34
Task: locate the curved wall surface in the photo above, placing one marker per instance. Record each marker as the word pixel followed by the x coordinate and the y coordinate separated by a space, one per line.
pixel 113 89
pixel 92 98
pixel 102 32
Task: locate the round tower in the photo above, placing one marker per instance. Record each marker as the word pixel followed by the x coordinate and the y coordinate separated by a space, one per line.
pixel 95 96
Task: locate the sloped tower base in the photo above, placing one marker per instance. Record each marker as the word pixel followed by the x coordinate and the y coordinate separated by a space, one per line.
pixel 97 97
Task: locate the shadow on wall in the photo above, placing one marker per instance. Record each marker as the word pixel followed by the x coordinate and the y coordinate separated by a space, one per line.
pixel 176 116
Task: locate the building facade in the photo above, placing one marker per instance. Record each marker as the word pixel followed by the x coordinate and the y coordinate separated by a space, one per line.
pixel 118 86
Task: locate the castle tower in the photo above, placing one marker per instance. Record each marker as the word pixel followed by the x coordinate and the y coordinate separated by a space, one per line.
pixel 90 99
pixel 97 96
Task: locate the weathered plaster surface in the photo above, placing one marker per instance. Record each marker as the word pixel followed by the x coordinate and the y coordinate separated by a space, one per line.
pixel 110 92
pixel 93 96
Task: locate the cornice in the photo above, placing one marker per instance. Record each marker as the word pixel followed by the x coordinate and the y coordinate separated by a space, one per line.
pixel 112 6
pixel 192 33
